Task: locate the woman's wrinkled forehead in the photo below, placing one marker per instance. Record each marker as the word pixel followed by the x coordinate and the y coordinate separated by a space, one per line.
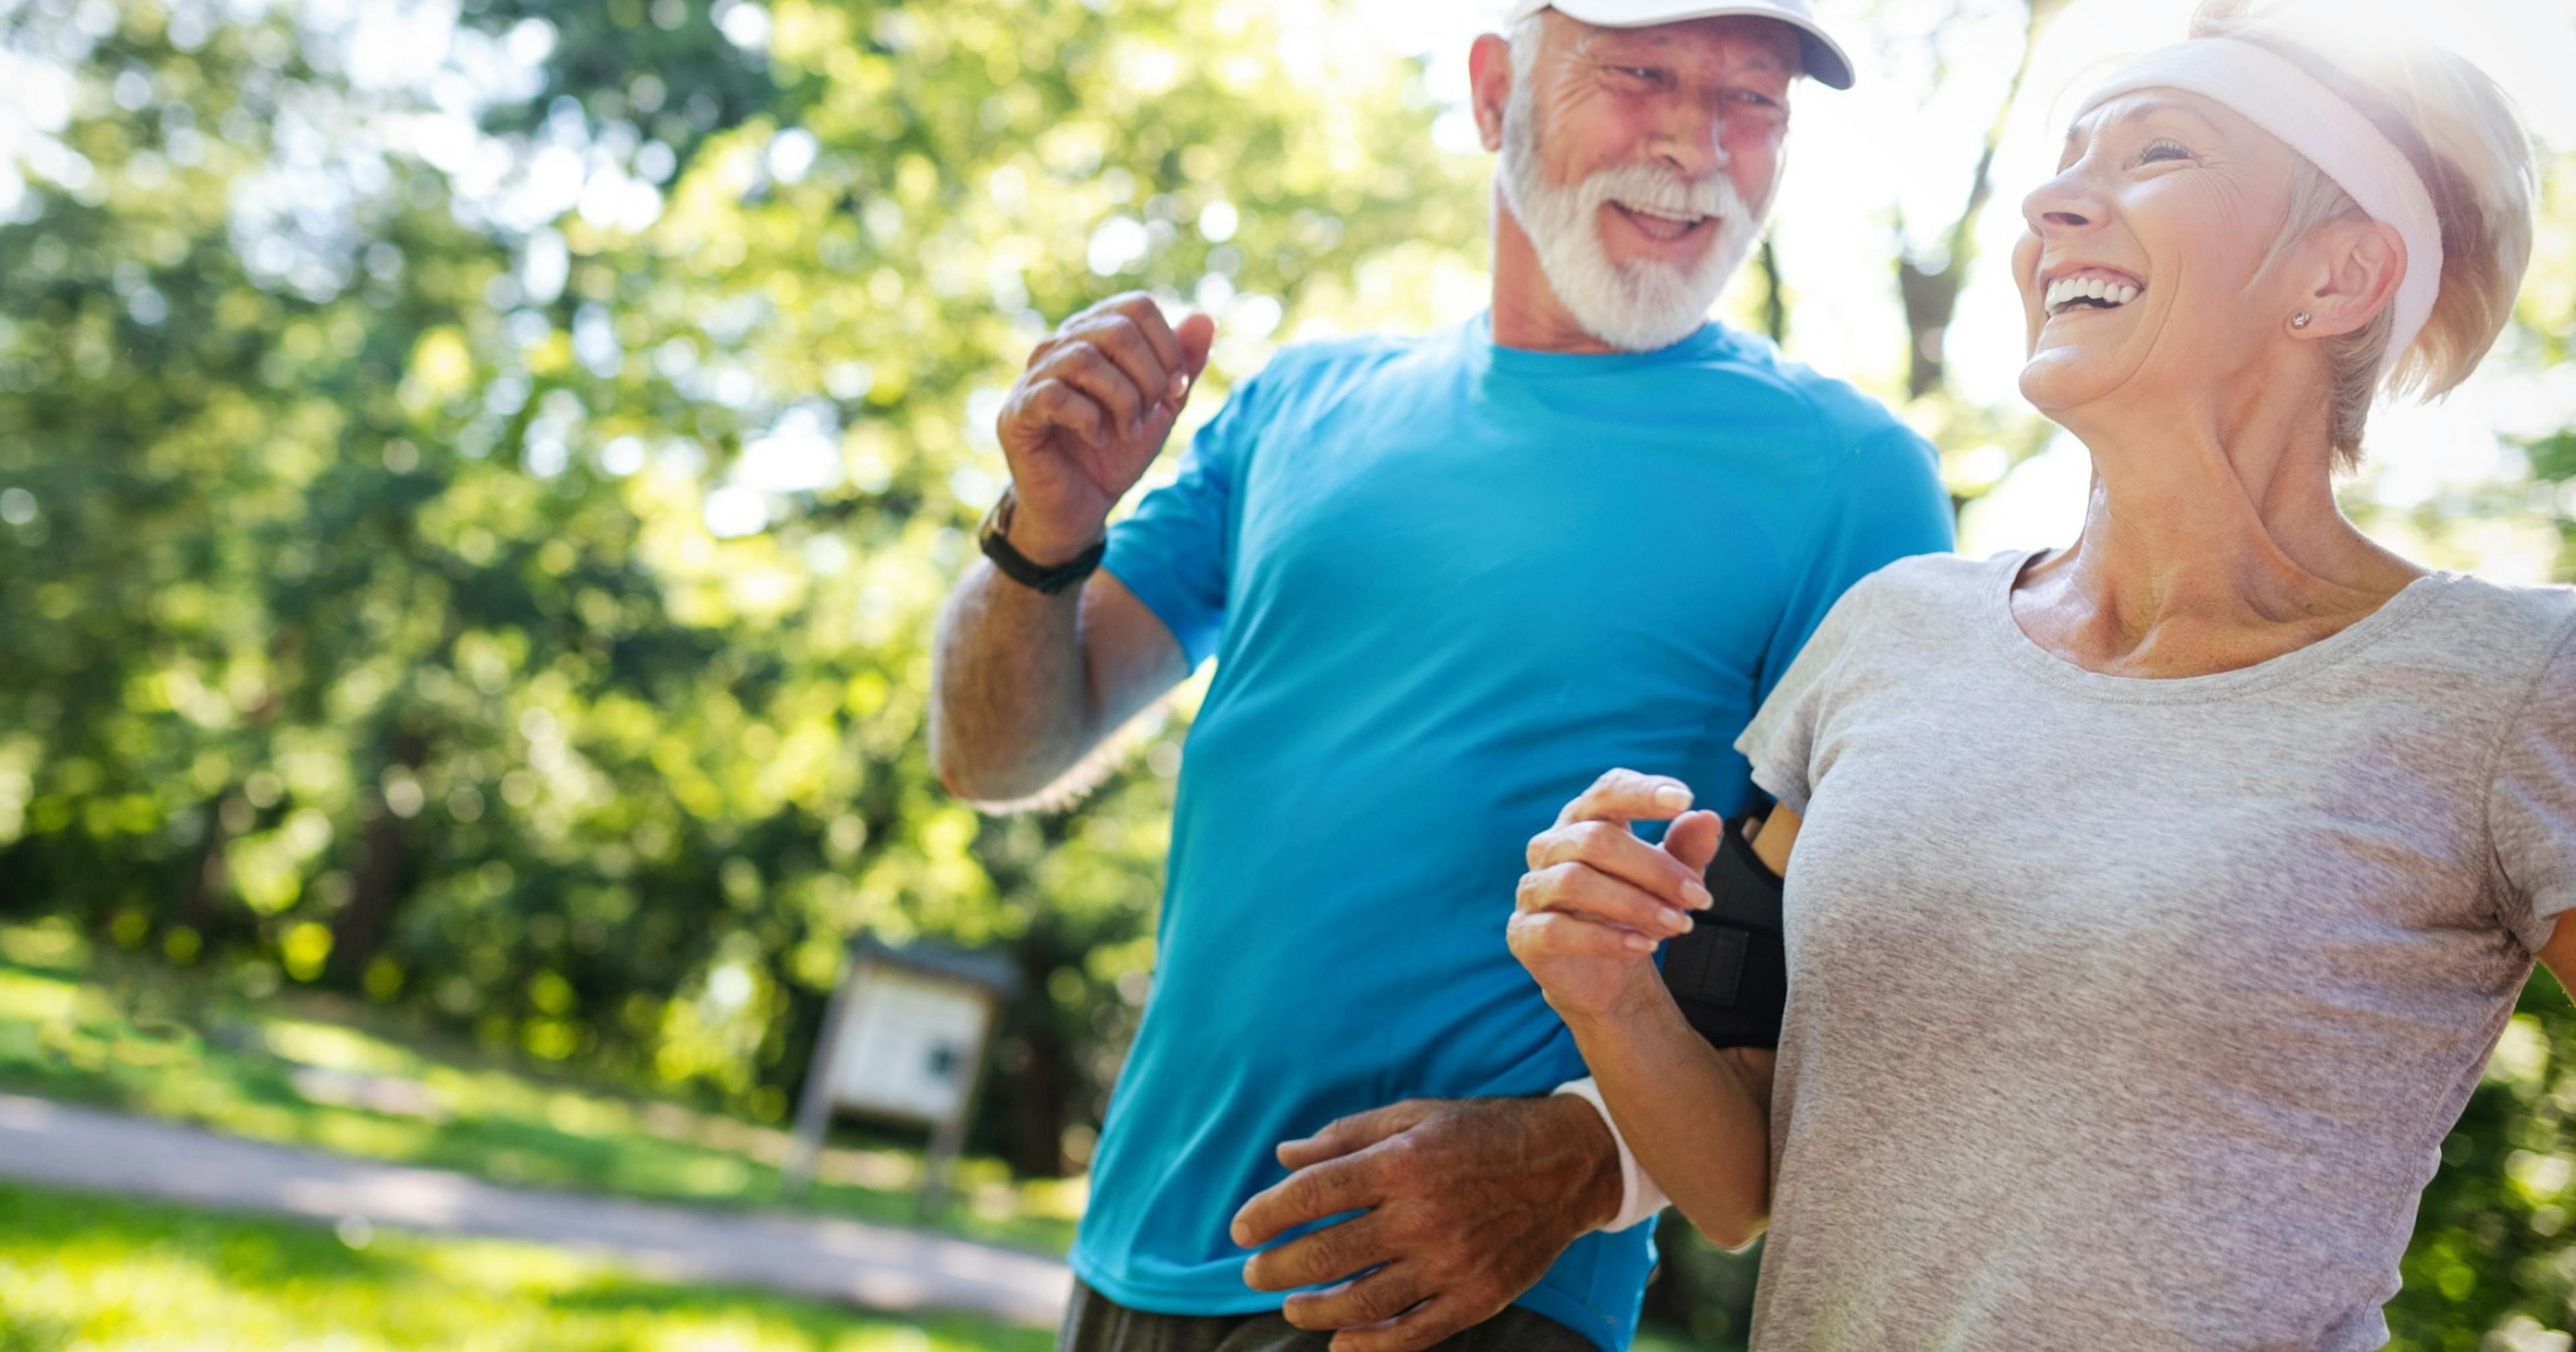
pixel 2145 105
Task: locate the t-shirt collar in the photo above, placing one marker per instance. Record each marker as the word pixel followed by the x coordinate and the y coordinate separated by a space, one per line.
pixel 1517 361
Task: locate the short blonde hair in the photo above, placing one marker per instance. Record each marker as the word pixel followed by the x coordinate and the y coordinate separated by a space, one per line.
pixel 2465 139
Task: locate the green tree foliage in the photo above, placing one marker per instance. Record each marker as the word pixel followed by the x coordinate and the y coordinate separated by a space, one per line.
pixel 521 611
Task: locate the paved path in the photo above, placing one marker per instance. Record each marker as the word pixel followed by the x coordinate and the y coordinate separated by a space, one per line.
pixel 880 1267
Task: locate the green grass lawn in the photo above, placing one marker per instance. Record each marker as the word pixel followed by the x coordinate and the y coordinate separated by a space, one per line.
pixel 319 1072
pixel 115 1276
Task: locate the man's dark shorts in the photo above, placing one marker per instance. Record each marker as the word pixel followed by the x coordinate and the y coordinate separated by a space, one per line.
pixel 1094 1323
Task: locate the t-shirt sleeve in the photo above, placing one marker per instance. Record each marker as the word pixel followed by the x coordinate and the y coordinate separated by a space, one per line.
pixel 1887 504
pixel 1176 550
pixel 1781 740
pixel 2531 803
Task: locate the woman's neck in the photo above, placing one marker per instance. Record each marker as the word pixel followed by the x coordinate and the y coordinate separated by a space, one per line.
pixel 2210 542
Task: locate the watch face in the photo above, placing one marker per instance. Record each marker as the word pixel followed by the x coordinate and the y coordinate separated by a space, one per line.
pixel 997 518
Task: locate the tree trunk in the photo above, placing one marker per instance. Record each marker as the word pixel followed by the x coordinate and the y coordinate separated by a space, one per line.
pixel 1775 307
pixel 1929 284
pixel 379 883
pixel 1037 1092
pixel 1040 1094
pixel 202 888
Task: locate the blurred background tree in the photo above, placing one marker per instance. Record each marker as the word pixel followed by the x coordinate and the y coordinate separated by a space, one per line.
pixel 474 521
pixel 475 481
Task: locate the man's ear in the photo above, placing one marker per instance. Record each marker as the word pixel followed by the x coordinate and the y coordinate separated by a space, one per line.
pixel 2358 267
pixel 1489 84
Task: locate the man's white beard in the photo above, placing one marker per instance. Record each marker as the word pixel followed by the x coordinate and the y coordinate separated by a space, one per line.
pixel 1637 306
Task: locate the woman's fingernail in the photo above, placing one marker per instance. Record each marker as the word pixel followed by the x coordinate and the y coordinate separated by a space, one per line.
pixel 1696 895
pixel 1180 385
pixel 1673 796
pixel 1640 943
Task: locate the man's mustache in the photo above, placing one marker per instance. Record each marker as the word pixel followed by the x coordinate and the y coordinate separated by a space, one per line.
pixel 1659 187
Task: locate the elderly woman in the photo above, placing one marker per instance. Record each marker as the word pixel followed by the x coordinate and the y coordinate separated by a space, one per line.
pixel 2152 903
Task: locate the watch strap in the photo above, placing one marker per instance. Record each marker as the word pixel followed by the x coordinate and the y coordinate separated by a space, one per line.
pixel 993 537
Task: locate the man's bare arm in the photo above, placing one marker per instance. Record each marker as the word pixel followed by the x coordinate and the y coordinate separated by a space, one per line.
pixel 1025 685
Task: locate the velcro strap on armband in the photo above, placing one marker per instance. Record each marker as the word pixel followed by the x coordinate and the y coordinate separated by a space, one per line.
pixel 1730 974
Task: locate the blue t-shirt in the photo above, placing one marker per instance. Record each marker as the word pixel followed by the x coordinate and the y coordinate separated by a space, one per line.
pixel 1447 584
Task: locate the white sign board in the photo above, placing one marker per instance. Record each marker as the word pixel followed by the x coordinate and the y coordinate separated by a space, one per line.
pixel 909 1046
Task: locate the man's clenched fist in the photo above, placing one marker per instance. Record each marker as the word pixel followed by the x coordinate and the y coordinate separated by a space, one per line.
pixel 1090 413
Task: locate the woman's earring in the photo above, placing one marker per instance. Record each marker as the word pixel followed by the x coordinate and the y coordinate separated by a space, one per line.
pixel 2300 320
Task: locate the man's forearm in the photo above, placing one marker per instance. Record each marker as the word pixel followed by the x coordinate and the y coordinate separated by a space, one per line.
pixel 1011 706
pixel 1594 1163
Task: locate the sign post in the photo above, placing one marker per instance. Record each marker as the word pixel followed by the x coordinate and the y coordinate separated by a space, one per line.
pixel 905 1040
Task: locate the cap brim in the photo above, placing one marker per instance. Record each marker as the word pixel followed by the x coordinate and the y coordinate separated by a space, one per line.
pixel 1827 64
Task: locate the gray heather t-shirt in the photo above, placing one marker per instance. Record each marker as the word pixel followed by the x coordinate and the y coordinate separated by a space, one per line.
pixel 2132 1013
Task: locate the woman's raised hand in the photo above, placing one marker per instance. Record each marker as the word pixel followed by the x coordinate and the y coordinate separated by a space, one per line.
pixel 1596 899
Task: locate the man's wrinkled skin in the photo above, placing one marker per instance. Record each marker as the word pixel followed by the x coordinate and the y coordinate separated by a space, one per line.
pixel 1465 1206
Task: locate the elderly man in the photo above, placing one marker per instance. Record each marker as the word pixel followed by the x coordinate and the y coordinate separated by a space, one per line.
pixel 1445 578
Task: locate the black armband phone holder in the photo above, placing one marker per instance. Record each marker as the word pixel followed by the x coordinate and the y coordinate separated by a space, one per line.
pixel 1729 974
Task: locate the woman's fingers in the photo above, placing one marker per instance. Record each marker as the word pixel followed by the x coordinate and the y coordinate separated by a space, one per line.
pixel 1692 842
pixel 1540 938
pixel 1611 848
pixel 1626 795
pixel 1595 892
pixel 1591 895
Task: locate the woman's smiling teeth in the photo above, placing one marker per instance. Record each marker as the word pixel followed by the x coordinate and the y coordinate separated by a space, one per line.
pixel 2094 292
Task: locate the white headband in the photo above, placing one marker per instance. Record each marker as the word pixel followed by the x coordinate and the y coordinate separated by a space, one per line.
pixel 2282 99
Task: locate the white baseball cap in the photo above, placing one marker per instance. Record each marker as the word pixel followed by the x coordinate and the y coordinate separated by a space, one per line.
pixel 1825 58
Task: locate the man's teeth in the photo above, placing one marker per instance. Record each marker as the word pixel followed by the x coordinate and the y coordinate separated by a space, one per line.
pixel 2107 294
pixel 1665 214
